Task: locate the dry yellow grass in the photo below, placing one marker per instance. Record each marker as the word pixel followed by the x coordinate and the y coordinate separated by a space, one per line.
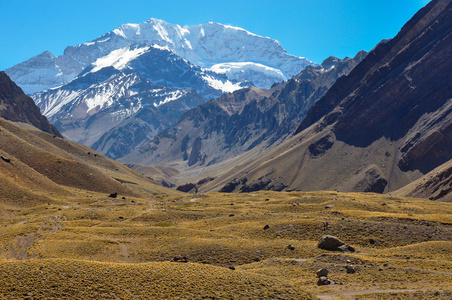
pixel 72 279
pixel 216 231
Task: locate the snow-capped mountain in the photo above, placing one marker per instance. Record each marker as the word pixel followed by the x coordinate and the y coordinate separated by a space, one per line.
pixel 119 90
pixel 162 66
pixel 92 105
pixel 119 85
pixel 210 46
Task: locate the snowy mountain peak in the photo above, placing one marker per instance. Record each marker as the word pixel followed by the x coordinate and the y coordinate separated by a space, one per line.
pixel 205 46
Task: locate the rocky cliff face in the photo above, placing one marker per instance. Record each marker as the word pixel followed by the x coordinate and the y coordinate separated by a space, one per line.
pixel 17 107
pixel 385 124
pixel 241 121
pixel 403 95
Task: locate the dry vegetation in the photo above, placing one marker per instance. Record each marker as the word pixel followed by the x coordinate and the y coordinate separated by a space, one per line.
pixel 63 237
pixel 91 246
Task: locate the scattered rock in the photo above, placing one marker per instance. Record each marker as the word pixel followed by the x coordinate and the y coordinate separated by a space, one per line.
pixel 123 198
pixel 326 281
pixel 266 227
pixel 231 215
pixel 114 195
pixel 350 269
pixel 322 272
pixel 329 206
pixel 6 159
pixel 332 243
pixel 346 248
pixel 374 242
pixel 183 259
pixel 290 247
pixel 257 259
pixel 232 267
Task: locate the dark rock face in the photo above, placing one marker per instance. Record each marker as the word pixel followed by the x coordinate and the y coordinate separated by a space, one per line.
pixel 182 259
pixel 321 146
pixel 389 93
pixel 195 154
pixel 17 107
pixel 232 185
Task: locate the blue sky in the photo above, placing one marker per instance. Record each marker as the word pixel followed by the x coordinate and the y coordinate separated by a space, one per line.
pixel 314 29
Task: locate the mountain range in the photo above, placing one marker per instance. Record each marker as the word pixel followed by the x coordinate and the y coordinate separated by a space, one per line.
pixel 37 163
pixel 118 91
pixel 382 126
pixel 250 120
pixel 186 100
pixel 259 176
pixel 225 49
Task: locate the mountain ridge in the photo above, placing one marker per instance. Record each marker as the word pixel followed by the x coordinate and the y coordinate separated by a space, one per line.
pixel 195 44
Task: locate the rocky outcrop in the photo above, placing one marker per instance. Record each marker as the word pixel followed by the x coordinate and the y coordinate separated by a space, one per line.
pixel 332 243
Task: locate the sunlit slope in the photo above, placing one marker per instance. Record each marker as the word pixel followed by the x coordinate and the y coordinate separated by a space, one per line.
pixel 46 164
pixel 67 279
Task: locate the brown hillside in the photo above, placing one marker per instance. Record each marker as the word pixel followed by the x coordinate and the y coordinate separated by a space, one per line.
pixel 43 163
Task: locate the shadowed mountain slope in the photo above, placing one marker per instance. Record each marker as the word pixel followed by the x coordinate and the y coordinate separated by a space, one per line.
pixel 18 107
pixel 384 125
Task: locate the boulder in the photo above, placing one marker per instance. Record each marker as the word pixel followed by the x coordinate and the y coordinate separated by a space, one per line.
pixel 322 272
pixel 350 269
pixel 326 281
pixel 182 259
pixel 332 243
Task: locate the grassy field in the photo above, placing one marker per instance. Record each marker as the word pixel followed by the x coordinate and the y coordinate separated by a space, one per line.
pixel 91 246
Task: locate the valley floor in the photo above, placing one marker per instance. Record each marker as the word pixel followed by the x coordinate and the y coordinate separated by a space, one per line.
pixel 220 246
